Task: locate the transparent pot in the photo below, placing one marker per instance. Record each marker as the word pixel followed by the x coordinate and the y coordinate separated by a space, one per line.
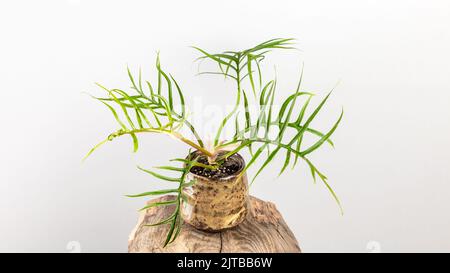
pixel 214 204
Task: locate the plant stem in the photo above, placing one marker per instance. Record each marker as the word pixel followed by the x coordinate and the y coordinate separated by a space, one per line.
pixel 170 133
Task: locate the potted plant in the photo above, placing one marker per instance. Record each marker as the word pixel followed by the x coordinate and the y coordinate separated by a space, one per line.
pixel 210 181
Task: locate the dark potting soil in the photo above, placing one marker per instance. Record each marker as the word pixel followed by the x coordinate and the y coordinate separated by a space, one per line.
pixel 230 166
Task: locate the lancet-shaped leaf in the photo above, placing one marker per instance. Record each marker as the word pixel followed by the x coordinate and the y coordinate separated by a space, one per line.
pixel 157 175
pixel 324 138
pixel 158 204
pixel 149 193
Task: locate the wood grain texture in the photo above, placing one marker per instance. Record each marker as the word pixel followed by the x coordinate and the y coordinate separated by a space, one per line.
pixel 263 231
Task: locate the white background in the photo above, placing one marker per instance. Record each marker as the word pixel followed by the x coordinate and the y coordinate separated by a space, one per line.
pixel 391 162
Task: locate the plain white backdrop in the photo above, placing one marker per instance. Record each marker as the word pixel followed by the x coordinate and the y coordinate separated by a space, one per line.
pixel 391 162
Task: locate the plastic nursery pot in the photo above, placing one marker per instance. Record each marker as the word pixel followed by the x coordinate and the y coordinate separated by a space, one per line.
pixel 217 200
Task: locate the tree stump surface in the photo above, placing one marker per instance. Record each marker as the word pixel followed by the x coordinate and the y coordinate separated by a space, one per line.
pixel 263 231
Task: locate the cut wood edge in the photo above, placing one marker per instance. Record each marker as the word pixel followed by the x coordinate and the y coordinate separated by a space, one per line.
pixel 264 231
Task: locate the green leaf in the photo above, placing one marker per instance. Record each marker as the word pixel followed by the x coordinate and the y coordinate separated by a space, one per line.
pixel 95 148
pixel 159 76
pixel 139 119
pixel 194 132
pixel 262 96
pixel 248 122
pixel 116 116
pixel 227 68
pixel 254 157
pixel 324 180
pixel 273 43
pixel 120 104
pixel 135 142
pixel 324 138
pixel 150 108
pixel 286 162
pixel 170 168
pixel 236 126
pixel 139 90
pixel 180 95
pixel 189 184
pixel 283 126
pixel 269 115
pixel 224 121
pixel 269 158
pixel 158 204
pixel 150 88
pixel 171 230
pixel 170 179
pixel 194 163
pixel 137 109
pixel 309 120
pixel 334 196
pixel 298 122
pixel 250 73
pixel 166 107
pixel 151 193
pixel 169 83
pixel 140 81
pixel 162 222
pixel 178 229
pixel 312 169
pixel 214 58
pixel 230 58
pixel 292 98
pixel 216 73
pixel 287 103
pixel 121 99
pixel 259 74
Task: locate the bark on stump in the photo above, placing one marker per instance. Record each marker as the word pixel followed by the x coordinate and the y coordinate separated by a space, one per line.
pixel 264 231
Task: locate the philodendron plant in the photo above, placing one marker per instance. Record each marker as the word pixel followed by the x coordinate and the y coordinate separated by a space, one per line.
pixel 210 179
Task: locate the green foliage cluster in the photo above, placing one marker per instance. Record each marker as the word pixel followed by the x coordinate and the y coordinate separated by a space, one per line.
pixel 148 109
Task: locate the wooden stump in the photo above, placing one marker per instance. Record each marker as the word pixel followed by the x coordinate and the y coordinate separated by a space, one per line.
pixel 264 231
